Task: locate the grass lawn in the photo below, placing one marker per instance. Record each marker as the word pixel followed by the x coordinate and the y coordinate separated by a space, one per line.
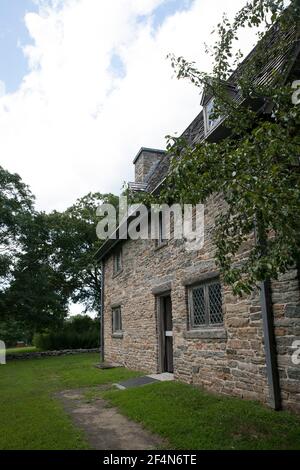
pixel 29 415
pixel 192 419
pixel 26 349
pixel 31 418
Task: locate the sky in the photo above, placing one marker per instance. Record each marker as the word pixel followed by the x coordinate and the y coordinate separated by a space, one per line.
pixel 85 83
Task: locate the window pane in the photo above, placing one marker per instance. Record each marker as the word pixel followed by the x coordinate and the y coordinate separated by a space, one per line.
pixel 215 304
pixel 119 320
pixel 114 320
pixel 198 307
pixel 116 317
pixel 209 112
pixel 117 261
pixel 160 229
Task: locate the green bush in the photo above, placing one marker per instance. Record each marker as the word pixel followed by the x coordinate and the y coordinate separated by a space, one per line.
pixel 12 331
pixel 70 336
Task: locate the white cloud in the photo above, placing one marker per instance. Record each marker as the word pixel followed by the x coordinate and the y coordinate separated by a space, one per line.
pixel 74 125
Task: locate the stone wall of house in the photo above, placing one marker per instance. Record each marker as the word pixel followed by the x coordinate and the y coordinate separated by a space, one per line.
pixel 229 359
pixel 286 307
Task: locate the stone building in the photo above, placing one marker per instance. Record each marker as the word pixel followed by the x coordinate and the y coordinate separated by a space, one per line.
pixel 165 308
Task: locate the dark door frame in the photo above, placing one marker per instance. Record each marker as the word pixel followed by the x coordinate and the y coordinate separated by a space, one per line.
pixel 161 330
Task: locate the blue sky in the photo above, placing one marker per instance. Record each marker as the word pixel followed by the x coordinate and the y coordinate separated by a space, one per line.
pixel 99 87
pixel 168 8
pixel 14 35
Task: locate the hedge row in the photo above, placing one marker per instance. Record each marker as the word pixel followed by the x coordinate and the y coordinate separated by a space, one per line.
pixel 67 340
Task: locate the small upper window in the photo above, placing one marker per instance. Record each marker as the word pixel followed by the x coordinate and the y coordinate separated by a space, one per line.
pixel 161 232
pixel 117 261
pixel 116 320
pixel 205 305
pixel 210 121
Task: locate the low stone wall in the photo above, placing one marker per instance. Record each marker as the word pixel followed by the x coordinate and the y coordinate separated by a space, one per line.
pixel 40 354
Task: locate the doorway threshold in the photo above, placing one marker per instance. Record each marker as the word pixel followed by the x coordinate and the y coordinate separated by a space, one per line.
pixel 163 377
pixel 144 380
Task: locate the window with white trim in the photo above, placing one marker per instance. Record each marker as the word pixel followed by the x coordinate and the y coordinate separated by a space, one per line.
pixel 116 320
pixel 205 305
pixel 209 121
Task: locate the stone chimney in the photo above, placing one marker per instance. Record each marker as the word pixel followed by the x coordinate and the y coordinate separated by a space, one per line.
pixel 145 161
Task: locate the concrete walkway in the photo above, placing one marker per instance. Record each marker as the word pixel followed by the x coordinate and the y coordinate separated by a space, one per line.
pixel 105 428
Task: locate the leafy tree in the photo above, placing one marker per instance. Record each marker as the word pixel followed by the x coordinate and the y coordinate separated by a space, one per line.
pixel 46 260
pixel 256 166
pixel 56 266
pixel 16 207
pixel 74 246
pixel 82 323
pixel 12 331
pixel 38 294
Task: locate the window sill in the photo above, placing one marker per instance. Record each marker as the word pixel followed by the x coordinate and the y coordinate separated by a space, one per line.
pixel 117 274
pixel 206 333
pixel 210 131
pixel 117 335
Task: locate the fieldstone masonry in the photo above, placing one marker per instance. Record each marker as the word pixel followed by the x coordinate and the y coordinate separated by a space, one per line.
pixel 229 359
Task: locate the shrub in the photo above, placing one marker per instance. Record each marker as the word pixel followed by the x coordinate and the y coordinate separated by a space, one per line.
pixel 70 336
pixel 12 331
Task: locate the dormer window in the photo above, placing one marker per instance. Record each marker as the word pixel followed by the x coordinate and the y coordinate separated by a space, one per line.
pixel 210 122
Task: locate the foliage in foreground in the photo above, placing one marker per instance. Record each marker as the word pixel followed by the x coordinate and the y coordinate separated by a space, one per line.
pixel 255 167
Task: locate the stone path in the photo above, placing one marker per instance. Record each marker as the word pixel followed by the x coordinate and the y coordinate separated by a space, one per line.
pixel 104 427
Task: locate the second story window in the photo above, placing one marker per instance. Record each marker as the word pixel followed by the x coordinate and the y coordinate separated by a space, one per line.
pixel 210 121
pixel 118 261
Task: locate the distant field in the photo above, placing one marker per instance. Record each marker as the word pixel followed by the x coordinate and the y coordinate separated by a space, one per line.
pixel 21 350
